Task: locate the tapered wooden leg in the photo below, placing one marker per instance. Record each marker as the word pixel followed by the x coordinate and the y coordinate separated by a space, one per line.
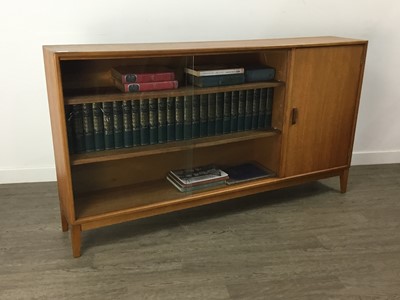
pixel 64 223
pixel 76 240
pixel 343 180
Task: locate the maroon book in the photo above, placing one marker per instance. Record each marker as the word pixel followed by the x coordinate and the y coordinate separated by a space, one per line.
pixel 146 86
pixel 132 74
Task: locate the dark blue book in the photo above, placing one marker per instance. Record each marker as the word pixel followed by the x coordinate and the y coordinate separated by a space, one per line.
pixel 118 125
pixel 234 111
pixel 203 115
pixel 171 119
pixel 248 117
pixel 153 120
pixel 226 128
pixel 98 126
pixel 263 108
pixel 77 127
pixel 195 116
pixel 187 117
pixel 241 110
pixel 136 122
pixel 219 113
pixel 246 172
pixel 268 114
pixel 144 122
pixel 219 80
pixel 162 120
pixel 179 118
pixel 88 130
pixel 108 121
pixel 127 120
pixel 256 107
pixel 259 73
pixel 211 114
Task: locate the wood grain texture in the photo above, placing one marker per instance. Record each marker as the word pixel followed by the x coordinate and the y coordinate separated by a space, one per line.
pixel 304 242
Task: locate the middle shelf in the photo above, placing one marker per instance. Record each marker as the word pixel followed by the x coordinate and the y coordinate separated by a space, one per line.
pixel 108 155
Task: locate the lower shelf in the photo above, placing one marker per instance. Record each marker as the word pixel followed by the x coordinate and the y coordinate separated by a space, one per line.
pixel 151 196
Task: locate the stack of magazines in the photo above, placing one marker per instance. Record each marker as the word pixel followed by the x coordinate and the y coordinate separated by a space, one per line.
pixel 187 180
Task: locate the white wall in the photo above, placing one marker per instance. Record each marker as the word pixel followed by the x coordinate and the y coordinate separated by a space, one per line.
pixel 26 152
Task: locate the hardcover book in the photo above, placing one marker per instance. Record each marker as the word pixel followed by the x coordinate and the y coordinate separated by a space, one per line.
pixel 118 125
pixel 136 74
pixel 213 70
pixel 162 120
pixel 246 172
pixel 179 118
pixel 108 121
pixel 136 122
pixel 198 176
pixel 98 126
pixel 196 117
pixel 171 119
pixel 153 120
pixel 88 130
pixel 259 73
pixel 144 122
pixel 146 86
pixel 127 123
pixel 218 80
pixel 203 115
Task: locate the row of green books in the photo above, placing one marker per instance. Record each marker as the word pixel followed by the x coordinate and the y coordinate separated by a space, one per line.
pixel 132 123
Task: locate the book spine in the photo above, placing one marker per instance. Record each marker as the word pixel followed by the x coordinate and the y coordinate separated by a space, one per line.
pixel 219 113
pixel 171 119
pixel 108 121
pixel 144 122
pixel 136 123
pixel 179 118
pixel 241 110
pixel 234 111
pixel 70 128
pixel 268 114
pixel 77 125
pixel 127 120
pixel 248 118
pixel 203 115
pixel 98 126
pixel 88 131
pixel 162 120
pixel 262 108
pixel 211 114
pixel 153 120
pixel 118 125
pixel 256 107
pixel 187 117
pixel 196 117
pixel 146 86
pixel 145 77
pixel 227 112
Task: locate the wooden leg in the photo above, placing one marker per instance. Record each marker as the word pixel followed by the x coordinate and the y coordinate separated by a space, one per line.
pixel 76 240
pixel 343 181
pixel 64 223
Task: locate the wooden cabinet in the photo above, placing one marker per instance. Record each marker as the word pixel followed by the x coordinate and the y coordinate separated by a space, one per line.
pixel 316 94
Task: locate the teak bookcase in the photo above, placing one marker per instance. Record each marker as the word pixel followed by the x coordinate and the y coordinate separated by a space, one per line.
pixel 316 97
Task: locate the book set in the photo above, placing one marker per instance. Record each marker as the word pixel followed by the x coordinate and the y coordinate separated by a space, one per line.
pixel 130 123
pixel 203 177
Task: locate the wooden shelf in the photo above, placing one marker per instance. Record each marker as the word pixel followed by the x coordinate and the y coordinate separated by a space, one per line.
pixel 107 94
pixel 139 198
pixel 108 155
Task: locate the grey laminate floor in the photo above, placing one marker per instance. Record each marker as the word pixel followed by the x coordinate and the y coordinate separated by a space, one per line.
pixel 306 242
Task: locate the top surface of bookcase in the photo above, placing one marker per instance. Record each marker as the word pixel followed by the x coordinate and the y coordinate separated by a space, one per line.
pixel 121 50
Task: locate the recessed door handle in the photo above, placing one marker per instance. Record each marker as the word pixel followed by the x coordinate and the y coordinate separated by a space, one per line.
pixel 295 115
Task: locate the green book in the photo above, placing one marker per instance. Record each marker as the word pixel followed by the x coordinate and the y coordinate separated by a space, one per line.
pixel 187 117
pixel 195 116
pixel 234 111
pixel 153 120
pixel 262 108
pixel 256 107
pixel 127 120
pixel 268 114
pixel 162 120
pixel 98 126
pixel 241 110
pixel 217 80
pixel 88 131
pixel 248 117
pixel 171 119
pixel 144 122
pixel 179 118
pixel 227 112
pixel 219 113
pixel 135 122
pixel 203 115
pixel 77 126
pixel 118 125
pixel 211 114
pixel 108 121
pixel 70 128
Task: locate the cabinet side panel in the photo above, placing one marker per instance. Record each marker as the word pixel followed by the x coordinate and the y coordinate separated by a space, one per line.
pixel 58 127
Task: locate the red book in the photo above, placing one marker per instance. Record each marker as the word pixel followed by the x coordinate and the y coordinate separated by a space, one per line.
pixel 134 74
pixel 146 86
